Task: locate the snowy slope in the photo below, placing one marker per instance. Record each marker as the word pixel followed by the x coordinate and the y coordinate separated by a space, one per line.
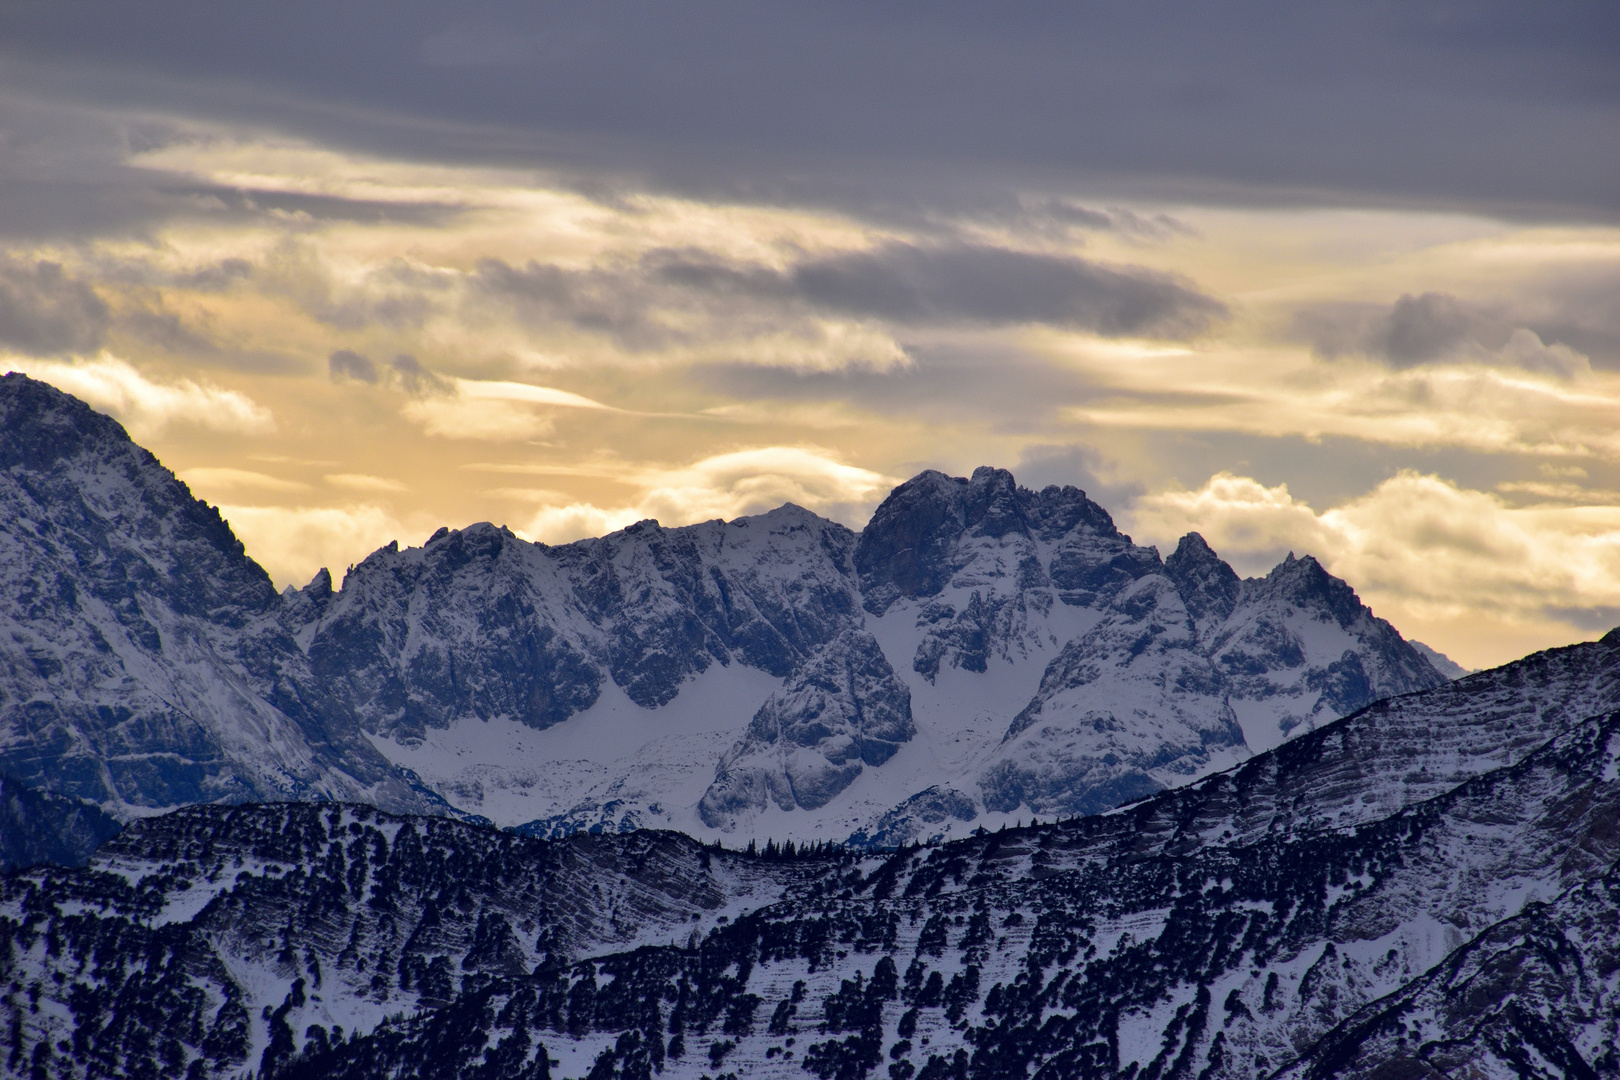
pixel 1430 887
pixel 143 663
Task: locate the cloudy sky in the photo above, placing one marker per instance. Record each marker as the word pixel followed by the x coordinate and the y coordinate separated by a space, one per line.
pixel 1340 279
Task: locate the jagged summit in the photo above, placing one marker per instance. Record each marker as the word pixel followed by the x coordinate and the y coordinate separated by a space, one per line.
pixel 1208 586
pixel 82 467
pixel 1304 580
pixel 44 425
pixel 999 650
pixel 907 549
pixel 972 606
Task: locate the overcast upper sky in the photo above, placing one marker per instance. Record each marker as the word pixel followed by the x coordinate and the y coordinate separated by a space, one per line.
pixel 1334 278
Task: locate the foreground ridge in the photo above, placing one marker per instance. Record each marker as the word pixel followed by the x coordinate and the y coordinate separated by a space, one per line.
pixel 1430 886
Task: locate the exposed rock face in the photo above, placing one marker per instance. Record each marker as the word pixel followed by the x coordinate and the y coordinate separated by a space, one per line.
pixel 143 663
pixel 477 623
pixel 1002 553
pixel 1429 887
pixel 1301 636
pixel 1150 672
pixel 844 708
pixel 1209 588
pixel 1130 698
pixel 1008 647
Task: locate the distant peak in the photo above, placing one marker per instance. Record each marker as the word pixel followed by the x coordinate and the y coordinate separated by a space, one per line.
pixel 1193 546
pixel 1442 663
pixel 320 584
pixel 1301 579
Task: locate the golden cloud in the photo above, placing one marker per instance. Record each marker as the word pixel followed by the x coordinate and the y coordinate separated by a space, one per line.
pixel 723 486
pixel 148 406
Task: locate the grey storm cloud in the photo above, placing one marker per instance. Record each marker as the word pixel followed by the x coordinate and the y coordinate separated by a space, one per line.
pixel 900 283
pixel 997 286
pixel 1413 330
pixel 346 365
pixel 415 378
pixel 165 329
pixel 64 173
pixel 1485 104
pixel 44 312
pixel 1431 326
pixel 404 372
pixel 1572 310
pixel 217 277
pixel 996 384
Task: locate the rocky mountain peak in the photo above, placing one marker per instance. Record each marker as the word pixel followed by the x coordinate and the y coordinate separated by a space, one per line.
pixel 991 503
pixel 1056 511
pixel 1305 582
pixel 125 518
pixel 1208 586
pixel 43 425
pixel 776 671
pixel 902 550
pixel 918 539
pixel 148 661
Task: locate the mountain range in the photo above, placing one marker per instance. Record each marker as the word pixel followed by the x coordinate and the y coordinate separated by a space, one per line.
pixel 1427 888
pixel 979 654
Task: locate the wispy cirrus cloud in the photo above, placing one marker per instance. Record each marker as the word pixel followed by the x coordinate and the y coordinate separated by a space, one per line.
pixel 1530 398
pixel 207 481
pixel 365 482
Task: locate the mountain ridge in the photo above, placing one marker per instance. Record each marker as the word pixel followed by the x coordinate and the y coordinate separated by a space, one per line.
pixel 979 651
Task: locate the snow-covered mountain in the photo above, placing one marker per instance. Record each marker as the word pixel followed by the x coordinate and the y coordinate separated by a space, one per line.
pixel 143 659
pixel 978 654
pixel 1429 887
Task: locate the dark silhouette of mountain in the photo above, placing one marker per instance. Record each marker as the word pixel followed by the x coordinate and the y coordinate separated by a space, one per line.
pixel 37 827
